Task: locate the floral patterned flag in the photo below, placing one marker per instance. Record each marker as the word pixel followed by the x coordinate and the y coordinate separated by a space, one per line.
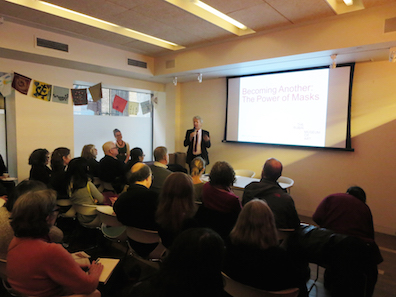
pixel 60 95
pixel 79 96
pixel 41 90
pixel 119 103
pixel 96 92
pixel 21 83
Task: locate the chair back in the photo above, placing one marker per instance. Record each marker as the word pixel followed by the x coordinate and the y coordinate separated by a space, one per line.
pixel 245 172
pixel 237 289
pixel 142 235
pixel 287 181
pixel 66 208
pixel 85 209
pixel 111 228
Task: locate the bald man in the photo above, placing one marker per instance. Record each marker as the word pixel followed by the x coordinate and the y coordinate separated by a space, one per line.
pixel 111 170
pixel 137 206
pixel 268 189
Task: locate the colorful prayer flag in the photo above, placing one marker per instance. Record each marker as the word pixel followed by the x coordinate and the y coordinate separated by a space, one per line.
pixel 41 90
pixel 21 83
pixel 133 108
pixel 60 95
pixel 119 103
pixel 96 92
pixel 5 84
pixel 79 96
pixel 146 106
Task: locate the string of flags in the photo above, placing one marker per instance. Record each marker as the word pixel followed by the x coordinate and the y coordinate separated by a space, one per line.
pixel 43 91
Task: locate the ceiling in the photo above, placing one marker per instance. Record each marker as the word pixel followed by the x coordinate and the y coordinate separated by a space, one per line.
pixel 166 21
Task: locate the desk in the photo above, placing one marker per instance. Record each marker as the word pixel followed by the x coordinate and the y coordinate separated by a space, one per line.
pixel 242 181
pixel 106 209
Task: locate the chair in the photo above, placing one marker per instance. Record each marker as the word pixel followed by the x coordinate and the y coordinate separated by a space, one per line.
pixel 147 237
pixel 111 228
pixel 283 236
pixel 67 209
pixel 237 289
pixel 286 180
pixel 88 210
pixel 245 172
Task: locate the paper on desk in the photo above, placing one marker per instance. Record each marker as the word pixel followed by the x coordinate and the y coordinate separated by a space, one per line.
pixel 108 267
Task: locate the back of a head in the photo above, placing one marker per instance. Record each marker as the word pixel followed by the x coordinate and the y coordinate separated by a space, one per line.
pixel 160 153
pixel 57 162
pixel 272 169
pixel 106 147
pixel 77 172
pixel 196 166
pixel 135 153
pixel 194 262
pixel 222 175
pixel 357 192
pixel 30 213
pixel 38 157
pixel 87 152
pixel 139 172
pixel 176 200
pixel 255 226
pixel 22 188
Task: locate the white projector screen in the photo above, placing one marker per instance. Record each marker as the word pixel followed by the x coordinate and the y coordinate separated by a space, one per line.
pixel 307 107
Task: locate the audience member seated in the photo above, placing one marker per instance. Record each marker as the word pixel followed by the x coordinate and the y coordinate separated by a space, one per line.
pixel 137 155
pixel 159 168
pixel 122 147
pixel 81 189
pixel 176 207
pixel 6 232
pixel 8 186
pixel 268 189
pixel 221 206
pixel 3 167
pixel 40 171
pixel 197 168
pixel 36 267
pixel 90 152
pixel 111 170
pixel 347 213
pixel 254 257
pixel 192 268
pixel 137 206
pixel 60 158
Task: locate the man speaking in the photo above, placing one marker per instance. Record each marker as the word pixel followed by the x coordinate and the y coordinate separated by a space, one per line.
pixel 198 141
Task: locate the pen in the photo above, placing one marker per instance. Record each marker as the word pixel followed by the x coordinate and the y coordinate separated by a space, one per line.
pixel 97 260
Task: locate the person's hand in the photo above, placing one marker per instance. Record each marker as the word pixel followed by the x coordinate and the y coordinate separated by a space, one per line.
pixel 206 138
pixel 95 269
pixel 192 135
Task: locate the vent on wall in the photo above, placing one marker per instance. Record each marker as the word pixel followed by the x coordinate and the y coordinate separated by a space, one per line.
pixel 52 45
pixel 137 63
pixel 390 25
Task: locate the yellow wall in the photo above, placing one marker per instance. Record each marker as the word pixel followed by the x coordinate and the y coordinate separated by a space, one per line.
pixel 317 173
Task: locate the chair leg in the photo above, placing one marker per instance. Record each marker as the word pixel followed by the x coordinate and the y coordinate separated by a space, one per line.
pixel 315 280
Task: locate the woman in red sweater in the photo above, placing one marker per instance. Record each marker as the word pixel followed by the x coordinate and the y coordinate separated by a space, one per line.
pixel 36 267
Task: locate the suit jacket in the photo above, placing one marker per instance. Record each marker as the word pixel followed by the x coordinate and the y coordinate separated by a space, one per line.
pixel 204 146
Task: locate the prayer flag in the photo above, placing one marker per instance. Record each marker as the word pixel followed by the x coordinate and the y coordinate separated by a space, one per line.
pixel 133 108
pixel 21 83
pixel 41 90
pixel 119 103
pixel 60 95
pixel 96 92
pixel 146 106
pixel 5 84
pixel 79 96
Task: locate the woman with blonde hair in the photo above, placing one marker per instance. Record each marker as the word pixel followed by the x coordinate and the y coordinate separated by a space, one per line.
pixel 176 207
pixel 254 257
pixel 197 168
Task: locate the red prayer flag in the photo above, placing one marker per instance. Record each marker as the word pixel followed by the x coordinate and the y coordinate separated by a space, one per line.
pixel 119 103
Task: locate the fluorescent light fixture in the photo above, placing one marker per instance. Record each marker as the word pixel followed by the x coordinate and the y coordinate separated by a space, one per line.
pixel 94 22
pixel 212 15
pixel 345 6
